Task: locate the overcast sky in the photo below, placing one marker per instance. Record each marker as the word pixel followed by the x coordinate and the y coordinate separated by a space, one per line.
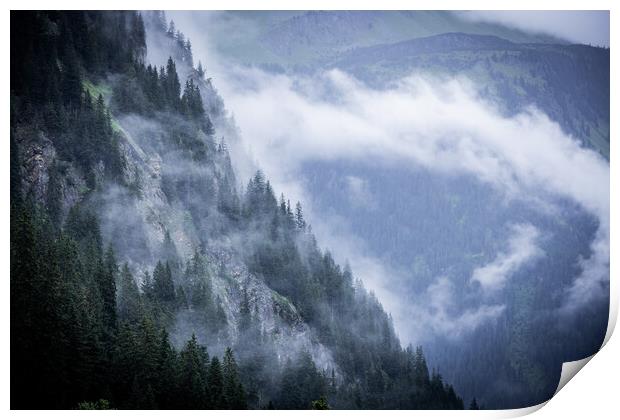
pixel 586 27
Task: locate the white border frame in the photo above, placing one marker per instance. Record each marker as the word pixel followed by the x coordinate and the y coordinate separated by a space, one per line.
pixel 593 394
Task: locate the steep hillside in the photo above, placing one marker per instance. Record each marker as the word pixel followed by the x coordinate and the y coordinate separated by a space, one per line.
pixel 134 249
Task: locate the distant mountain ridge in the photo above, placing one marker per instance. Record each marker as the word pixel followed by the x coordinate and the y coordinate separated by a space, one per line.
pixel 346 29
pixel 294 39
pixel 511 75
pixel 446 42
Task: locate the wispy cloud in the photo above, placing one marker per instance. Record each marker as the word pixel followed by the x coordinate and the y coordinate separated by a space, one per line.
pixel 442 317
pixel 522 249
pixel 440 125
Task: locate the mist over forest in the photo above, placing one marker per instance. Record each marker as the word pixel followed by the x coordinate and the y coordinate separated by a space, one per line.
pixel 303 210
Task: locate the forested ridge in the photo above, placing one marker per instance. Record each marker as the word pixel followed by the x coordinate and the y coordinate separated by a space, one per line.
pixel 89 329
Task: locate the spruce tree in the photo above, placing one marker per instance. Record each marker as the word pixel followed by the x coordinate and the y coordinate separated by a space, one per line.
pixel 299 217
pixel 193 375
pixel 233 393
pixel 215 384
pixel 163 287
pixel 128 297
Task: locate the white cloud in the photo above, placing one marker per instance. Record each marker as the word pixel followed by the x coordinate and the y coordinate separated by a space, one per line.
pixel 522 249
pixel 441 298
pixel 592 283
pixel 441 125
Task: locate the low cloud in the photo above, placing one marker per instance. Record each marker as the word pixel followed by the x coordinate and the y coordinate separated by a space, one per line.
pixel 522 249
pixel 443 126
pixel 593 283
pixel 439 313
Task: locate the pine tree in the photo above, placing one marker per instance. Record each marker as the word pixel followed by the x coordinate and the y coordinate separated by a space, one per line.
pixel 233 393
pixel 289 214
pixel 215 384
pixel 166 386
pixel 200 70
pixel 171 29
pixel 147 286
pixel 420 367
pixel 299 218
pixel 172 86
pixel 282 205
pixel 107 288
pixel 128 298
pixel 189 57
pixel 170 253
pixel 163 287
pixel 193 375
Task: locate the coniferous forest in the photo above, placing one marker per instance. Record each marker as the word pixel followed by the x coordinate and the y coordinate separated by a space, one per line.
pixel 145 274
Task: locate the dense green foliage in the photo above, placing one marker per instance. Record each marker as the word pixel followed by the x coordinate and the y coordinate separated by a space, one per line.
pixel 51 54
pixel 145 91
pixel 86 333
pixel 73 341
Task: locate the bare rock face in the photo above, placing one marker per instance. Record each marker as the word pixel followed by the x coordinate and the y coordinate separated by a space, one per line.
pixel 276 316
pixel 148 215
pixel 38 154
pixel 39 158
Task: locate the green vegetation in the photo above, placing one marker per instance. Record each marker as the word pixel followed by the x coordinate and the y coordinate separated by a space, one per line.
pixel 94 90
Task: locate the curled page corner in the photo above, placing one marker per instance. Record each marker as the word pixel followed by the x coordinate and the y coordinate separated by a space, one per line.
pixel 518 412
pixel 569 370
pixel 613 314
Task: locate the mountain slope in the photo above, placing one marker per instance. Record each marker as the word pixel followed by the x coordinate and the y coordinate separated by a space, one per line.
pixel 132 251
